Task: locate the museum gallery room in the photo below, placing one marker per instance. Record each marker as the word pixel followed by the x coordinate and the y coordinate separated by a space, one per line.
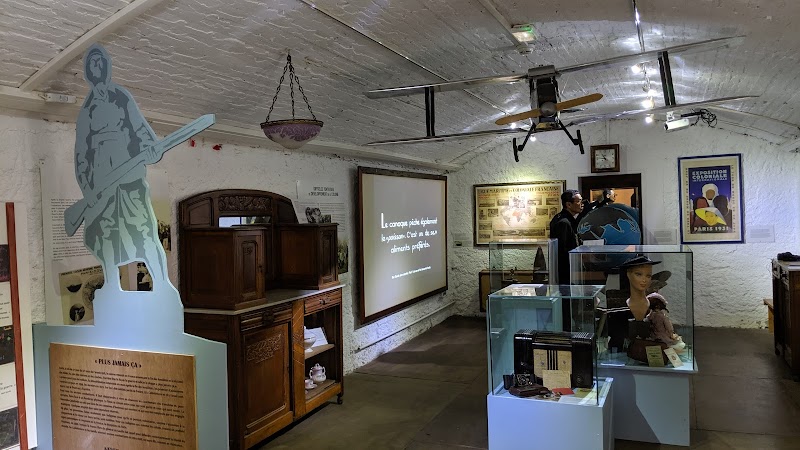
pixel 399 224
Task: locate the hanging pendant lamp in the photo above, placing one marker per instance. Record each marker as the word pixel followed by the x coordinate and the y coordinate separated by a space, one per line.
pixel 291 133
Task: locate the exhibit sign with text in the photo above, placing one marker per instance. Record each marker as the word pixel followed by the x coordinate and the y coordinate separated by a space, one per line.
pixel 325 202
pixel 711 204
pixel 108 398
pixel 17 402
pixel 515 213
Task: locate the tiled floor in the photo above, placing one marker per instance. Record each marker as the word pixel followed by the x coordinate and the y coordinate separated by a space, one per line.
pixel 430 394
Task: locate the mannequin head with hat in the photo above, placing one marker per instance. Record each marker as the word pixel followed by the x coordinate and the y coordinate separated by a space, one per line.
pixel 638 275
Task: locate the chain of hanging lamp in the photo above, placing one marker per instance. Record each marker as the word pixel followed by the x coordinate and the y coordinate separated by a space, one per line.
pixel 292 79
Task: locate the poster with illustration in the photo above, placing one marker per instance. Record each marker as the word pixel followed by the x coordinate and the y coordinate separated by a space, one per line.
pixel 711 199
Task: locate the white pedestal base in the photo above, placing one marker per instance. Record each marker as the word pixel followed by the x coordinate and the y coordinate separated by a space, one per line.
pixel 517 423
pixel 650 405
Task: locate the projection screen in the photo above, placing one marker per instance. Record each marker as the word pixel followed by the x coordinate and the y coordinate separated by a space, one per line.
pixel 403 239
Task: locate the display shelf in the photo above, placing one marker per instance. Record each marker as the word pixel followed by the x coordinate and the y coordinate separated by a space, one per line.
pixel 621 360
pixel 670 274
pixel 314 396
pixel 318 349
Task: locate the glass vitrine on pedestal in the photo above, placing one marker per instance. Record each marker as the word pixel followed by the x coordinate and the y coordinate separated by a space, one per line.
pixel 651 395
pixel 541 334
pixel 532 262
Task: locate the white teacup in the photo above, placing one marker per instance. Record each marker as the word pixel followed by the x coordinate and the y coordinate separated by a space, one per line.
pixel 310 384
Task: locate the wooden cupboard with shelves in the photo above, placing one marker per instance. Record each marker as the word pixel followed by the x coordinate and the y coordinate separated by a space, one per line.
pixel 252 278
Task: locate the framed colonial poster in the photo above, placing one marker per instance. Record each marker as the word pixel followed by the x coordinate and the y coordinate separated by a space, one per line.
pixel 711 206
pixel 516 213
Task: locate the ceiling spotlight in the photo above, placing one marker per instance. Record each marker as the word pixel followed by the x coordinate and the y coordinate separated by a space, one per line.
pixel 648 119
pixel 636 68
pixel 652 92
pixel 513 125
pixel 532 139
pixel 648 103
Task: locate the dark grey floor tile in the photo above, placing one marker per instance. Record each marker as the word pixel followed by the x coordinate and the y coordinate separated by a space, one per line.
pixel 453 351
pixel 744 405
pixel 463 421
pixel 377 413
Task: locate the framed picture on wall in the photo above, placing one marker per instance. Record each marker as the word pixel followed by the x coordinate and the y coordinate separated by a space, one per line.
pixel 711 205
pixel 515 213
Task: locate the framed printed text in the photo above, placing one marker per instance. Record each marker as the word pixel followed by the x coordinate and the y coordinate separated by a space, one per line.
pixel 516 213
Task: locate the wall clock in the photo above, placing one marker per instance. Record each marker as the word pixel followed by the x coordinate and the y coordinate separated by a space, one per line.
pixel 605 158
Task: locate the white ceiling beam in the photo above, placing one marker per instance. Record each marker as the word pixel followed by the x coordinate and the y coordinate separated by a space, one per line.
pixel 507 27
pixel 75 49
pixel 790 145
pixel 31 104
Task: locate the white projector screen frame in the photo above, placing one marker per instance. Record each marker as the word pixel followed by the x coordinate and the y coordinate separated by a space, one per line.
pixel 402 238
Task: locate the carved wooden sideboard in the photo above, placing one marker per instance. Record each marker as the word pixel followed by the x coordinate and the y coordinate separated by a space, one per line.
pixel 786 301
pixel 252 277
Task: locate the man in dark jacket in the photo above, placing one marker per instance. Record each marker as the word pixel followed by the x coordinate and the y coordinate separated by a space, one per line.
pixel 563 227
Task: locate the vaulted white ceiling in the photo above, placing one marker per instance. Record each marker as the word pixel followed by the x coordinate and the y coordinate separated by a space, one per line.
pixel 184 58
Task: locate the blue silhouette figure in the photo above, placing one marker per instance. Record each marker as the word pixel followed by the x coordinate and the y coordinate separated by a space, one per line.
pixel 113 143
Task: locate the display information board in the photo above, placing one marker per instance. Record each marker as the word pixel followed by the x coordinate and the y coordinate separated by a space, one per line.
pixel 517 213
pixel 106 398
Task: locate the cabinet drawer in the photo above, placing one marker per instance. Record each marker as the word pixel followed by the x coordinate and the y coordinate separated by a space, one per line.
pixel 265 317
pixel 323 300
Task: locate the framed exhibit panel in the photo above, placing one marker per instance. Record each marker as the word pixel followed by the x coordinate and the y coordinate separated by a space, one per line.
pixel 711 205
pixel 402 229
pixel 517 213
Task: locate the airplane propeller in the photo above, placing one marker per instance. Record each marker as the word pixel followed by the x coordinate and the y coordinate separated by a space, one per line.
pixel 560 106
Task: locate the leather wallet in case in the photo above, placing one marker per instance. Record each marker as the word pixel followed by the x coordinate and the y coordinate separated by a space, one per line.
pixel 535 351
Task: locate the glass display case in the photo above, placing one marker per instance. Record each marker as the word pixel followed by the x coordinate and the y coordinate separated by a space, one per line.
pixel 647 302
pixel 541 343
pixel 518 263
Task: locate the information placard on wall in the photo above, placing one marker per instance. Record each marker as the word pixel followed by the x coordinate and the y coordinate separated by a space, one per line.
pixel 17 402
pixel 107 398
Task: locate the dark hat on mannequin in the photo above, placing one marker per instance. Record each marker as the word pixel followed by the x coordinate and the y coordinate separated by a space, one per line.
pixel 640 260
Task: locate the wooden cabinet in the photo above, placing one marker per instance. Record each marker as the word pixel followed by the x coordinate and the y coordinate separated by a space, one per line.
pixel 239 251
pixel 267 364
pixel 236 245
pixel 224 268
pixel 786 298
pixel 308 255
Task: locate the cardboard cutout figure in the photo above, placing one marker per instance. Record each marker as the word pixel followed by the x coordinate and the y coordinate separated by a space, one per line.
pixel 113 143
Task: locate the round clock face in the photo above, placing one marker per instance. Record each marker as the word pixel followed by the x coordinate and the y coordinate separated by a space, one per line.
pixel 605 159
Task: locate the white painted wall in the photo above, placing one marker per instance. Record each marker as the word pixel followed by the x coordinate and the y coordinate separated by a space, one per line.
pixel 730 279
pixel 24 142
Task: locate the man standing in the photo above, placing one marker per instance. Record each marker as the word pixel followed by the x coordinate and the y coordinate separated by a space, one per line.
pixel 120 226
pixel 563 227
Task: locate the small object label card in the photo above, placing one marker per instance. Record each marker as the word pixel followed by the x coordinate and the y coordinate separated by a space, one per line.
pixel 654 358
pixel 553 379
pixel 673 357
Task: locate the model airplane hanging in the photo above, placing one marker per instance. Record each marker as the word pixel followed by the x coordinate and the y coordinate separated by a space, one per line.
pixel 545 102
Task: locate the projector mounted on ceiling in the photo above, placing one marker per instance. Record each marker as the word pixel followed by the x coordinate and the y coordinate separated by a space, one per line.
pixel 680 121
pixel 674 123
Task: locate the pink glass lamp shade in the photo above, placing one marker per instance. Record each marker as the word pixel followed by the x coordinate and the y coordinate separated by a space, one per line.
pixel 291 133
